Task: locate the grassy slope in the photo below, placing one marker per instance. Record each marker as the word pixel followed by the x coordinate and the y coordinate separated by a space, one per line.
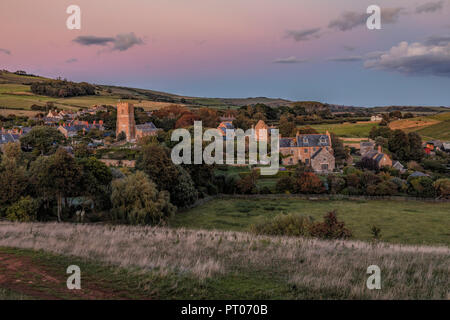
pixel 439 131
pixel 349 130
pixel 180 264
pixel 400 222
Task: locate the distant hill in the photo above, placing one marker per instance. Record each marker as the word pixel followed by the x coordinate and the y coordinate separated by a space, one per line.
pixel 15 93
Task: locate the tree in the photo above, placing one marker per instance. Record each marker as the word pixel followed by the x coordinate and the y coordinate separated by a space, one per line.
pixel 308 182
pixel 43 140
pixel 57 177
pixel 136 200
pixel 340 153
pixel 95 179
pixel 154 160
pixel 287 126
pixel 415 147
pixel 247 185
pixel 183 192
pixel 399 145
pixel 13 176
pixel 23 210
pixel 330 228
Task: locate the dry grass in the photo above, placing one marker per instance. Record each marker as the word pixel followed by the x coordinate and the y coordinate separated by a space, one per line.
pixel 330 269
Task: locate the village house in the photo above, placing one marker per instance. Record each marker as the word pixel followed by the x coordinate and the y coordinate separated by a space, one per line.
pixel 376 118
pixel 71 129
pixel 382 159
pixel 314 150
pixel 225 126
pixel 54 114
pixel 397 165
pixel 145 130
pixel 366 147
pixel 262 131
pixel 6 137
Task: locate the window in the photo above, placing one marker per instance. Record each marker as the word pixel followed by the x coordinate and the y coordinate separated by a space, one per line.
pixel 306 161
pixel 314 149
pixel 324 167
pixel 306 150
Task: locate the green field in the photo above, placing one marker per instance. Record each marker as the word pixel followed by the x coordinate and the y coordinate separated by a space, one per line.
pixel 411 222
pixel 348 130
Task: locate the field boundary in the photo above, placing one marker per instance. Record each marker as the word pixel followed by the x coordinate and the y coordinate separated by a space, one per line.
pixel 313 197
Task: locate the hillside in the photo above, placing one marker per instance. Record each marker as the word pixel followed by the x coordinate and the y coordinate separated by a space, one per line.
pixel 15 93
pixel 430 127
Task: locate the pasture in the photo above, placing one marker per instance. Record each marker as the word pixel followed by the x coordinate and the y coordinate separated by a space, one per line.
pixel 411 222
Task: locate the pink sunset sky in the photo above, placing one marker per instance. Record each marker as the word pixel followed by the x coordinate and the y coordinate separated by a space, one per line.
pixel 299 50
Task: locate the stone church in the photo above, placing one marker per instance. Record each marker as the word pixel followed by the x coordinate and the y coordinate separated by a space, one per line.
pixel 127 124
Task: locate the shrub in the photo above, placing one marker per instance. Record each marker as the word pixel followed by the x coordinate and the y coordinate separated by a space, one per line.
pixel 24 210
pixel 247 185
pixel 285 184
pixel 335 183
pixel 422 187
pixel 330 228
pixel 309 182
pixel 283 225
pixel 442 187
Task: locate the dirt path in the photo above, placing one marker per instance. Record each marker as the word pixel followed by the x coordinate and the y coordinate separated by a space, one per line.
pixel 23 275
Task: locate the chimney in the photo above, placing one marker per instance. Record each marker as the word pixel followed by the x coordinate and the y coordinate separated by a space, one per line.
pixel 379 149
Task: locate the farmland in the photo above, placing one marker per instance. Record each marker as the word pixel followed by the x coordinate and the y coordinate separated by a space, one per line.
pixel 349 130
pixel 411 222
pixel 161 263
pixel 430 127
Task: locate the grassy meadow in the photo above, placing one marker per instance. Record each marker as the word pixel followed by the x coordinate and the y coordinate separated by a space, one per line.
pixel 348 130
pixel 162 263
pixel 411 222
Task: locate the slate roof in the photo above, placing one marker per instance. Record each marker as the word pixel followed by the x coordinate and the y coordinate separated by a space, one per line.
pixel 418 174
pixel 313 140
pixel 8 137
pixel 147 127
pixel 287 142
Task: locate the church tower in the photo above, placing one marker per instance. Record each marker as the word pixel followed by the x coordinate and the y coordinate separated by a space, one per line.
pixel 125 120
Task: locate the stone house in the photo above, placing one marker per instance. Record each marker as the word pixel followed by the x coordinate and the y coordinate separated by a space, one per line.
pixel 314 150
pixel 382 159
pixel 366 147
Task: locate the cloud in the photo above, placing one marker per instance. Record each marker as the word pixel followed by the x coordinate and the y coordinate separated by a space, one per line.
pixel 72 60
pixel 121 42
pixel 350 19
pixel 303 35
pixel 5 51
pixel 291 59
pixel 93 40
pixel 430 7
pixel 414 59
pixel 346 59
